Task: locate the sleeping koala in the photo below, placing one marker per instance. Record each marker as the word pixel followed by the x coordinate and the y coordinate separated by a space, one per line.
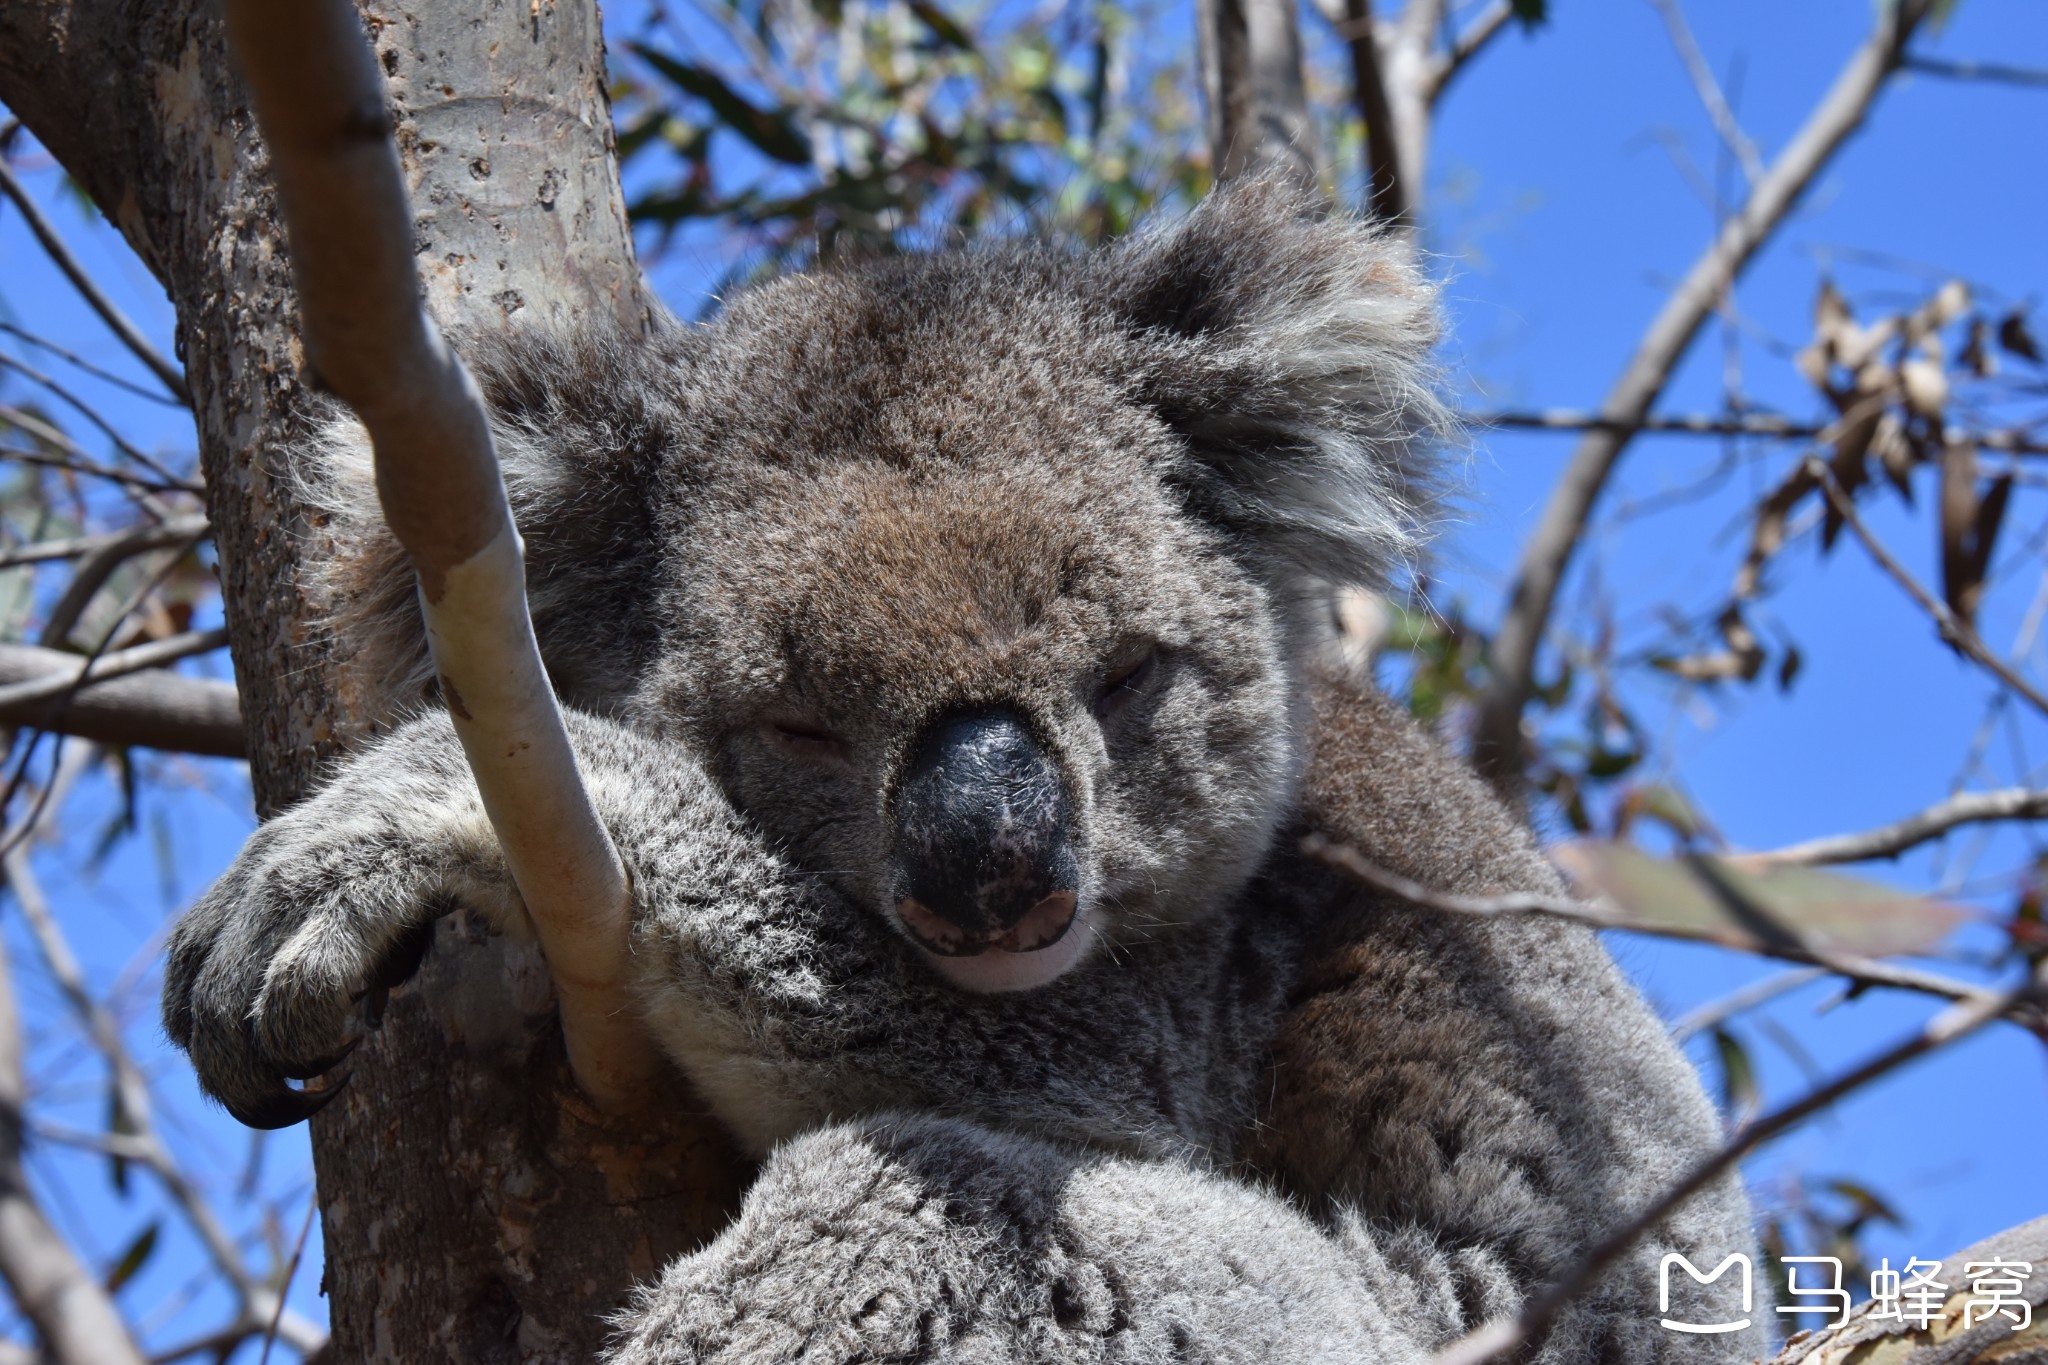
pixel 941 637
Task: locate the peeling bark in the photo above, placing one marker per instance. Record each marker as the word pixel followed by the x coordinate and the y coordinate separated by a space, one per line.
pixel 475 1209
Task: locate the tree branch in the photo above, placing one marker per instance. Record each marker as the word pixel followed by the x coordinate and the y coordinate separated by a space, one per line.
pixel 1497 740
pixel 256 1299
pixel 54 1290
pixel 1953 629
pixel 1259 123
pixel 321 103
pixel 1996 72
pixel 1388 193
pixel 1709 91
pixel 121 662
pixel 1739 1001
pixel 79 547
pixel 2009 442
pixel 173 378
pixel 1958 1021
pixel 1465 47
pixel 1889 841
pixel 151 708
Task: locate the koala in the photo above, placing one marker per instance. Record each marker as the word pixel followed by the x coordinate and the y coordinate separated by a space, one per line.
pixel 944 640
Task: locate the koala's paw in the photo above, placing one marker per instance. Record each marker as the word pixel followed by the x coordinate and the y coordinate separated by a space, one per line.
pixel 261 975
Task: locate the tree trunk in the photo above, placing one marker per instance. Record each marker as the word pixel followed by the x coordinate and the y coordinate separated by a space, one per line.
pixel 474 1208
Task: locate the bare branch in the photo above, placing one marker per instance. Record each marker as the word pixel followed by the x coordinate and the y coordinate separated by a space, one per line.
pixel 1259 122
pixel 1889 841
pixel 134 659
pixel 1388 196
pixel 96 568
pixel 1709 91
pixel 1996 72
pixel 86 465
pixel 1465 47
pixel 91 414
pixel 257 1300
pixel 1953 629
pixel 151 708
pixel 137 540
pixel 320 100
pixel 1748 998
pixel 173 378
pixel 1771 425
pixel 54 1290
pixel 1958 1021
pixel 78 361
pixel 1497 741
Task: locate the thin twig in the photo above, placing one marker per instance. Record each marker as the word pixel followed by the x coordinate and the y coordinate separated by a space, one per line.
pixel 1978 71
pixel 1497 745
pixel 2008 441
pixel 132 1090
pixel 79 362
pixel 1958 1021
pixel 136 539
pixel 1738 1002
pixel 86 410
pixel 1709 90
pixel 1953 629
pixel 102 564
pixel 74 1316
pixel 291 1271
pixel 91 468
pixel 173 378
pixel 1889 841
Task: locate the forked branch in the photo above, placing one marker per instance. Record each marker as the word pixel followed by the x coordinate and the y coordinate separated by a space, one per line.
pixel 321 103
pixel 1497 741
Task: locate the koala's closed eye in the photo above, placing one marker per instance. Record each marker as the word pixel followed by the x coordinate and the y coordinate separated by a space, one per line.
pixel 805 738
pixel 1131 678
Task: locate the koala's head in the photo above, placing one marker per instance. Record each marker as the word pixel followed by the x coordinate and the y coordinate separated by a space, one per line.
pixel 981 580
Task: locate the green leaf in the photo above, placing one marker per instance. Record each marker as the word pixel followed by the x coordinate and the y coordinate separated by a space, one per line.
pixel 1751 906
pixel 771 131
pixel 1739 1091
pixel 1532 14
pixel 133 1259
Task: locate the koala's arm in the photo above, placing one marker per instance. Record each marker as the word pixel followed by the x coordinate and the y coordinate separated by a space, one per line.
pixel 1492 1087
pixel 783 1002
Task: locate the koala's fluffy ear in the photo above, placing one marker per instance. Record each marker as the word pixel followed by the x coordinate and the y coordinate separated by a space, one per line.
pixel 1291 353
pixel 584 424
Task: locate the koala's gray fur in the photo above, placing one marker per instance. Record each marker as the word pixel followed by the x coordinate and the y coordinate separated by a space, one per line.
pixel 1260 1116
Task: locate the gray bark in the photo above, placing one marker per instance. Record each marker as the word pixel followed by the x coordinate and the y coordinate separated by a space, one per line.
pixel 1259 122
pixel 474 1208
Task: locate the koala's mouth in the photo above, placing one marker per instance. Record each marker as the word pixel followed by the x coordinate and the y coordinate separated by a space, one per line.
pixel 1037 948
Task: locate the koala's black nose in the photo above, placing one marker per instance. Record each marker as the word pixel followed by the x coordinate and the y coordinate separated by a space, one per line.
pixel 982 836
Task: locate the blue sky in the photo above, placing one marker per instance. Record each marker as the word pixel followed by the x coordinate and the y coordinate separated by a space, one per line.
pixel 1559 221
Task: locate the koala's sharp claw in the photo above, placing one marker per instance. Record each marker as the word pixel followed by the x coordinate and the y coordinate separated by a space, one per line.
pixel 320 1066
pixel 285 1107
